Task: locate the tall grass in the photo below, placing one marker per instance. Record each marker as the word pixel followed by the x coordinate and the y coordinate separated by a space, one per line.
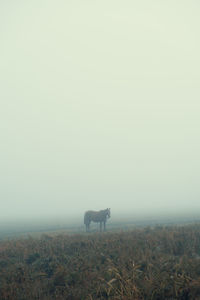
pixel 159 263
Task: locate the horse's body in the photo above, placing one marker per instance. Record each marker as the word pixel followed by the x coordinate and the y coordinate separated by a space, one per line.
pixel 96 216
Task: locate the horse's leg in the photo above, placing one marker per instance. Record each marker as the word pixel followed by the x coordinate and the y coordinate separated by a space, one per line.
pixel 100 226
pixel 104 226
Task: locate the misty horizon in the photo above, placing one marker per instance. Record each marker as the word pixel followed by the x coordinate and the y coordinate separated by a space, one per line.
pixel 99 108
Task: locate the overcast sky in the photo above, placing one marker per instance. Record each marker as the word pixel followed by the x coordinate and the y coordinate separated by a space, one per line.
pixel 100 107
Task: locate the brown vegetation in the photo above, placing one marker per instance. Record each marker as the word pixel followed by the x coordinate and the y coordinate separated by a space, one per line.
pixel 159 263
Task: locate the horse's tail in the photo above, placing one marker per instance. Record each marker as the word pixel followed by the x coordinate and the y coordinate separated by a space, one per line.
pixel 85 218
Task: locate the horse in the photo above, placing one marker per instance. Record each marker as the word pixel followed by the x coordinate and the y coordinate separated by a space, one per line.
pixel 96 216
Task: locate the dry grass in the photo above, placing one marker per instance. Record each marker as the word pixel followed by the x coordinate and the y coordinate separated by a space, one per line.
pixel 159 263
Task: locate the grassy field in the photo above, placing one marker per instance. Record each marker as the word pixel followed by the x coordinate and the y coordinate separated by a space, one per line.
pixel 160 262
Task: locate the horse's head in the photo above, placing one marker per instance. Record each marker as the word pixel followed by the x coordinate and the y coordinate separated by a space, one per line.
pixel 108 212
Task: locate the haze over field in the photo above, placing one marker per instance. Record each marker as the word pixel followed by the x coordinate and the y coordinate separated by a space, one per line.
pixel 99 107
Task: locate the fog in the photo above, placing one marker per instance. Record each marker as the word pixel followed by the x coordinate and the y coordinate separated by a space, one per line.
pixel 99 108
